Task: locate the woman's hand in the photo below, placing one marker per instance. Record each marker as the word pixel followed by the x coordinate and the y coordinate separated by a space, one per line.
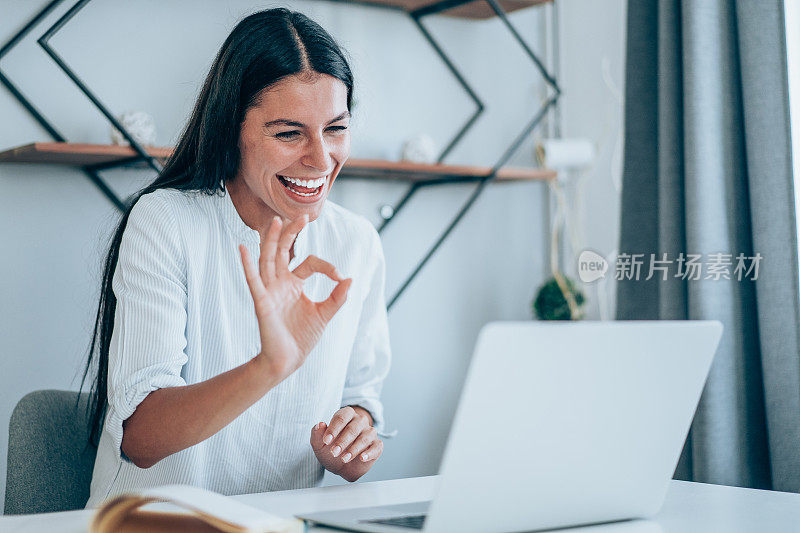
pixel 290 324
pixel 349 446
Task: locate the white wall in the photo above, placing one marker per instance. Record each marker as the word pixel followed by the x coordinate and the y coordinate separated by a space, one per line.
pixel 152 56
pixel 592 40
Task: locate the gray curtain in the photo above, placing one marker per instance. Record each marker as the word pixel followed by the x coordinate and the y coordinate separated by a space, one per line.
pixel 707 170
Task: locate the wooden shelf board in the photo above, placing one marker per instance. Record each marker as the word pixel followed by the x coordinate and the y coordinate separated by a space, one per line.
pixel 70 154
pixel 74 154
pixel 408 171
pixel 477 9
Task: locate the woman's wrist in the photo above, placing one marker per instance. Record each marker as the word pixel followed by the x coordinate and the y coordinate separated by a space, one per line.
pixel 265 371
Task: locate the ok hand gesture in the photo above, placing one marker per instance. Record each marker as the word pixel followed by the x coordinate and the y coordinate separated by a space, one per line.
pixel 289 323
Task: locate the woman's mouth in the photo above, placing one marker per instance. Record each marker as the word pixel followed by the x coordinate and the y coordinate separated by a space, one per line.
pixel 303 190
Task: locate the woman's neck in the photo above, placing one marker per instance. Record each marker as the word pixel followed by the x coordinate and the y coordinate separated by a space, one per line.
pixel 253 212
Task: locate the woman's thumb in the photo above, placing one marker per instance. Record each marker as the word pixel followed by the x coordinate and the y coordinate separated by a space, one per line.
pixel 317 432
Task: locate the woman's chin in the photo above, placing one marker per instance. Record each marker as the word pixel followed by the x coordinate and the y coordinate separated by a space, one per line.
pixel 292 212
pixel 295 205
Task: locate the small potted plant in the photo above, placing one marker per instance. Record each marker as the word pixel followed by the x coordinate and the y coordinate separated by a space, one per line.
pixel 559 298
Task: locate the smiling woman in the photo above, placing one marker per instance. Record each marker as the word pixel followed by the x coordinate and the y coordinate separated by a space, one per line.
pixel 289 165
pixel 224 372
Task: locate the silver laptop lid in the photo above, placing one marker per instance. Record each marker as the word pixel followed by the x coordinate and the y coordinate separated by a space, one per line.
pixel 563 424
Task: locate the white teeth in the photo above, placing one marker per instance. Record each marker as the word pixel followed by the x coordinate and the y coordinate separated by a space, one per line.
pixel 309 184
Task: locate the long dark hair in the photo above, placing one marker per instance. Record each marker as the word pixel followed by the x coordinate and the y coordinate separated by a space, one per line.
pixel 262 49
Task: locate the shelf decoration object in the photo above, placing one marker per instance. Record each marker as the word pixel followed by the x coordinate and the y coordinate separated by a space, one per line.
pixel 139 124
pixel 420 148
pixel 559 298
pixel 136 153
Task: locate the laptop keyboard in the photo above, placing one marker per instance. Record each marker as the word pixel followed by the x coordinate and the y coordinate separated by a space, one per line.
pixel 411 522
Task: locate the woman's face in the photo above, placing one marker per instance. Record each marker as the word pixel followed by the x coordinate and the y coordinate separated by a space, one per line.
pixel 299 130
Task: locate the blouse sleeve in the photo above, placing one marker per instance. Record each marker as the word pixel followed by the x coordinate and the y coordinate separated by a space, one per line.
pixel 148 341
pixel 371 355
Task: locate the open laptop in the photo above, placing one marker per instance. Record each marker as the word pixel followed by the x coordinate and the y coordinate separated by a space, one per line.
pixel 560 424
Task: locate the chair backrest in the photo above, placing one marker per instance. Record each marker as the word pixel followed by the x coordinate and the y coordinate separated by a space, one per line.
pixel 49 460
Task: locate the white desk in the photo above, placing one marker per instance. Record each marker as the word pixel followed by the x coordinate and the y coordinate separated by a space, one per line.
pixel 689 508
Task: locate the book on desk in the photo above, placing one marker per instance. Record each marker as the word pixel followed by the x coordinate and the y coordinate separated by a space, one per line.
pixel 179 508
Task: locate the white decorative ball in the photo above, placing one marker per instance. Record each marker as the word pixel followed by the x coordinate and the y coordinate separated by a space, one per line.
pixel 139 124
pixel 420 148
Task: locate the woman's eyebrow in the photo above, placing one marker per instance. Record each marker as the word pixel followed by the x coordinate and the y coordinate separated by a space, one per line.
pixel 287 122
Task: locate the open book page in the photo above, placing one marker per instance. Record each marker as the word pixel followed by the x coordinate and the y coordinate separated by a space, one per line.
pixel 209 511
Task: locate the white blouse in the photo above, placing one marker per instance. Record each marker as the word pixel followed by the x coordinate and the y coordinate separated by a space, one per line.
pixel 184 314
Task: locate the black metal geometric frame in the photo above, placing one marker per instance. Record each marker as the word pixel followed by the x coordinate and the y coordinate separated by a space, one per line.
pixel 417 15
pixel 44 42
pixel 92 170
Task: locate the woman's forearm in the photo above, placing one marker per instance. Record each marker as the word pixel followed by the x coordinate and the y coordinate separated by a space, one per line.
pixel 172 419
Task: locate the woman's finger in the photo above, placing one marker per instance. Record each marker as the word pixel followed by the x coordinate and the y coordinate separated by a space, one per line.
pixel 360 444
pixel 373 452
pixel 317 433
pixel 269 246
pixel 342 417
pixel 285 243
pixel 313 264
pixel 257 289
pixel 348 435
pixel 337 298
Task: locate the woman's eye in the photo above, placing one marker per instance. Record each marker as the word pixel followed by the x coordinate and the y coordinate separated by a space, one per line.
pixel 294 133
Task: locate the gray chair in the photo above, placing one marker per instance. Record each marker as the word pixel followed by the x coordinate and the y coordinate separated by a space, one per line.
pixel 49 462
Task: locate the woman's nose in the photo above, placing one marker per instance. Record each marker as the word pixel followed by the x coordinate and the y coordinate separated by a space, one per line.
pixel 318 155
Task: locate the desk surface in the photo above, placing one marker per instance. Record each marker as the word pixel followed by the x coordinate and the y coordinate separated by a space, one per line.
pixel 689 508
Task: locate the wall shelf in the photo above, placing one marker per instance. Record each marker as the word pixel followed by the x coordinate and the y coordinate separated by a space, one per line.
pixel 74 154
pixel 473 10
pixel 92 159
pixel 81 155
